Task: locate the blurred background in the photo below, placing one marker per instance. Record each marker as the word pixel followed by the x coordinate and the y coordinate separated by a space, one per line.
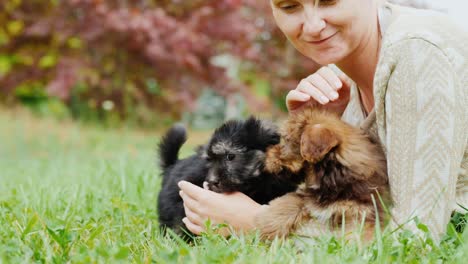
pixel 148 63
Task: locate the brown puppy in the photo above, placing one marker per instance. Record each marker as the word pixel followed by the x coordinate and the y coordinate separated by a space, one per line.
pixel 344 171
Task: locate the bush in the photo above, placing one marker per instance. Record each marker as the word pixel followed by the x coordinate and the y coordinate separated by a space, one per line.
pixel 142 57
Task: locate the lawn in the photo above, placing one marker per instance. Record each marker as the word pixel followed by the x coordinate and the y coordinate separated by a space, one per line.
pixel 84 194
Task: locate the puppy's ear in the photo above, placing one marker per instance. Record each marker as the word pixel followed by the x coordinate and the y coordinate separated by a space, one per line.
pixel 261 134
pixel 316 142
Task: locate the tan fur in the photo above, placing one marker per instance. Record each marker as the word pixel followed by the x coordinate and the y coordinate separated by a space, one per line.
pixel 309 140
pixel 288 212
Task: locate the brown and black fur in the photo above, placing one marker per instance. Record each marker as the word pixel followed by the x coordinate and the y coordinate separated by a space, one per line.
pixel 344 171
pixel 233 160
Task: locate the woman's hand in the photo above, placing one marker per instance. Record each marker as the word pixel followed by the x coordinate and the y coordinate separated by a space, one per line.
pixel 235 209
pixel 323 89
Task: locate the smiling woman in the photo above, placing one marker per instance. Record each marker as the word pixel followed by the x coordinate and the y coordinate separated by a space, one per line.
pixel 402 77
pixel 326 30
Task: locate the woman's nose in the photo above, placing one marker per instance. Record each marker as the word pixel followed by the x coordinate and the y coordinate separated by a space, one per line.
pixel 313 23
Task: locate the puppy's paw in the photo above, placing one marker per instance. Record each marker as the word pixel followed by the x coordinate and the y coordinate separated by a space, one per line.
pixel 281 216
pixel 295 165
pixel 273 162
pixel 273 166
pixel 269 226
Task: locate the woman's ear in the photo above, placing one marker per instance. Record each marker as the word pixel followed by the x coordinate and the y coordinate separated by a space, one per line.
pixel 316 142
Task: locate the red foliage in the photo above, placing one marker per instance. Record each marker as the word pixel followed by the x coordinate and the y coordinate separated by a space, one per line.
pixel 124 43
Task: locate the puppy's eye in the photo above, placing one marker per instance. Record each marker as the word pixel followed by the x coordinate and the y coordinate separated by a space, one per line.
pixel 230 157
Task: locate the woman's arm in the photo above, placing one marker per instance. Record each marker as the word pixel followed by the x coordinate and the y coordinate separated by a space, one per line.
pixel 423 123
pixel 235 209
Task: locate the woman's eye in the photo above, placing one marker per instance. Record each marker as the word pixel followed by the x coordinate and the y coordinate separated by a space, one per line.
pixel 230 157
pixel 288 7
pixel 327 2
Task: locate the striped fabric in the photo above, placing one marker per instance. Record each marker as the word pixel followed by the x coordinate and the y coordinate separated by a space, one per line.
pixel 420 115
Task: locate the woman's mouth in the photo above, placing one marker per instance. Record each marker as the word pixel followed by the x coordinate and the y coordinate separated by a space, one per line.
pixel 318 42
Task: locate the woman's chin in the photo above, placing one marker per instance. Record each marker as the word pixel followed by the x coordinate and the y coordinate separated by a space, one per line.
pixel 325 61
pixel 328 57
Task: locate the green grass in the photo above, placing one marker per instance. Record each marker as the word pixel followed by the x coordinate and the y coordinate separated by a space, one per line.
pixel 80 194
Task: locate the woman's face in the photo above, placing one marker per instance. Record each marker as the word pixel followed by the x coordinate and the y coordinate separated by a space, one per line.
pixel 327 31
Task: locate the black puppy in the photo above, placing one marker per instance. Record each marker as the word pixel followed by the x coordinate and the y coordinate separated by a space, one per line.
pixel 233 160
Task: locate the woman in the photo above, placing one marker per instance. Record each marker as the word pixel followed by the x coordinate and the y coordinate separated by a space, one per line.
pixel 409 89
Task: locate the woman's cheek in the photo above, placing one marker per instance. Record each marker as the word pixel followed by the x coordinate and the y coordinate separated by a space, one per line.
pixel 290 24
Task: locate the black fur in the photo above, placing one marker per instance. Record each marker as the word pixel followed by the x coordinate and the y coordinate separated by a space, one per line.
pixel 170 145
pixel 233 160
pixel 340 183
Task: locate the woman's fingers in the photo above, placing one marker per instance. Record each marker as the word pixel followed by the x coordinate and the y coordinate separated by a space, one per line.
pixel 194 228
pixel 192 190
pixel 193 217
pixel 198 229
pixel 326 81
pixel 296 95
pixel 189 202
pixel 325 87
pixel 322 86
pixel 306 86
pixel 345 80
pixel 296 99
pixel 330 76
pixel 194 202
pixel 202 205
